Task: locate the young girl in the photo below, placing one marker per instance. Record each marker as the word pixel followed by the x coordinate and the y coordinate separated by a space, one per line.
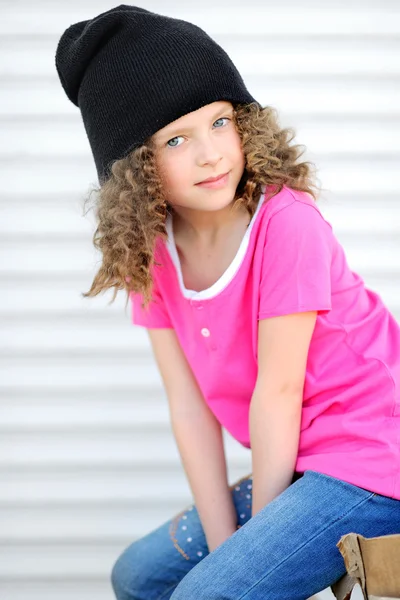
pixel 209 221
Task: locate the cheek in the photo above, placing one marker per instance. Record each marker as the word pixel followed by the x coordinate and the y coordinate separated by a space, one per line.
pixel 235 150
pixel 174 174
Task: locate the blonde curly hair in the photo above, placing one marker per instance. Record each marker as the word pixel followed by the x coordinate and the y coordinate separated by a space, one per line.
pixel 131 210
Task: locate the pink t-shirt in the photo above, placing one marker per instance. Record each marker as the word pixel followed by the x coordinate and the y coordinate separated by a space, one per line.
pixel 290 261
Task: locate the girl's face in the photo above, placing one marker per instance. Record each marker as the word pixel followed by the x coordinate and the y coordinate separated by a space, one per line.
pixel 195 147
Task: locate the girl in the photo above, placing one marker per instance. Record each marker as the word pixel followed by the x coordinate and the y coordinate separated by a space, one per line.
pixel 209 221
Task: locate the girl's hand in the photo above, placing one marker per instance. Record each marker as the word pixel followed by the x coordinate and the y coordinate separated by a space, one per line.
pixel 216 540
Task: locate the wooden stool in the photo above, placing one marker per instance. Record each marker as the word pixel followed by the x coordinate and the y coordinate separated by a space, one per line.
pixel 373 563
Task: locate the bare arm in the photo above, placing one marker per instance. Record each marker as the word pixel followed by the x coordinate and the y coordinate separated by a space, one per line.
pixel 275 409
pixel 199 439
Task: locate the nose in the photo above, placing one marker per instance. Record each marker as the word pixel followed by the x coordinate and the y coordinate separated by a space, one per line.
pixel 208 152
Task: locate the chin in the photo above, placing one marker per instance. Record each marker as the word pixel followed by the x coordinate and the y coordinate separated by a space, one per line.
pixel 218 202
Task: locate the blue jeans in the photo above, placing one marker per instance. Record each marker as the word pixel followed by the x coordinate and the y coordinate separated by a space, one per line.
pixel 287 551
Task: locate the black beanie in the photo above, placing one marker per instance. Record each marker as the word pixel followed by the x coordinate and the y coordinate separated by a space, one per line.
pixel 131 72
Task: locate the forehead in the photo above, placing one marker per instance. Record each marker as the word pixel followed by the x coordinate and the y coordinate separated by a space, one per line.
pixel 190 120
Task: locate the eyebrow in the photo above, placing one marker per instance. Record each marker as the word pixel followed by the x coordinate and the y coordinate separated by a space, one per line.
pixel 173 132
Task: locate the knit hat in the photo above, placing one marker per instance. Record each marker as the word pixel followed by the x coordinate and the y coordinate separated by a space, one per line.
pixel 131 72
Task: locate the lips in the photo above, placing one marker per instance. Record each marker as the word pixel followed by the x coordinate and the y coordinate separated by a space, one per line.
pixel 211 179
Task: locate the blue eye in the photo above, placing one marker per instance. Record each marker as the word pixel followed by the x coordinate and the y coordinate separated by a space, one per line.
pixel 221 119
pixel 171 140
pixel 179 136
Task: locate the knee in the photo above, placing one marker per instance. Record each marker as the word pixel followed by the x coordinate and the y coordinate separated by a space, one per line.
pixel 198 584
pixel 128 574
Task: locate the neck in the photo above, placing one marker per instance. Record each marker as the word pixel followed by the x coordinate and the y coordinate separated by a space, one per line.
pixel 207 226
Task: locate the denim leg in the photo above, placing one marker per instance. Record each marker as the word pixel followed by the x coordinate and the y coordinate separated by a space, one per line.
pixel 152 567
pixel 288 550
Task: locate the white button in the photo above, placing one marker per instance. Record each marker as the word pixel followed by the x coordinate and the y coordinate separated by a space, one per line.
pixel 205 332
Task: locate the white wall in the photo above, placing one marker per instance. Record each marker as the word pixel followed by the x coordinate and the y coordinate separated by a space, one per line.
pixel 87 459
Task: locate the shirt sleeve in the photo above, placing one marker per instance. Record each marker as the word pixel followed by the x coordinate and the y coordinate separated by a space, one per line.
pixel 155 316
pixel 296 268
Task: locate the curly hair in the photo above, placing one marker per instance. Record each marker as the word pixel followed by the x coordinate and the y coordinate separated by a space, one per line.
pixel 131 210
